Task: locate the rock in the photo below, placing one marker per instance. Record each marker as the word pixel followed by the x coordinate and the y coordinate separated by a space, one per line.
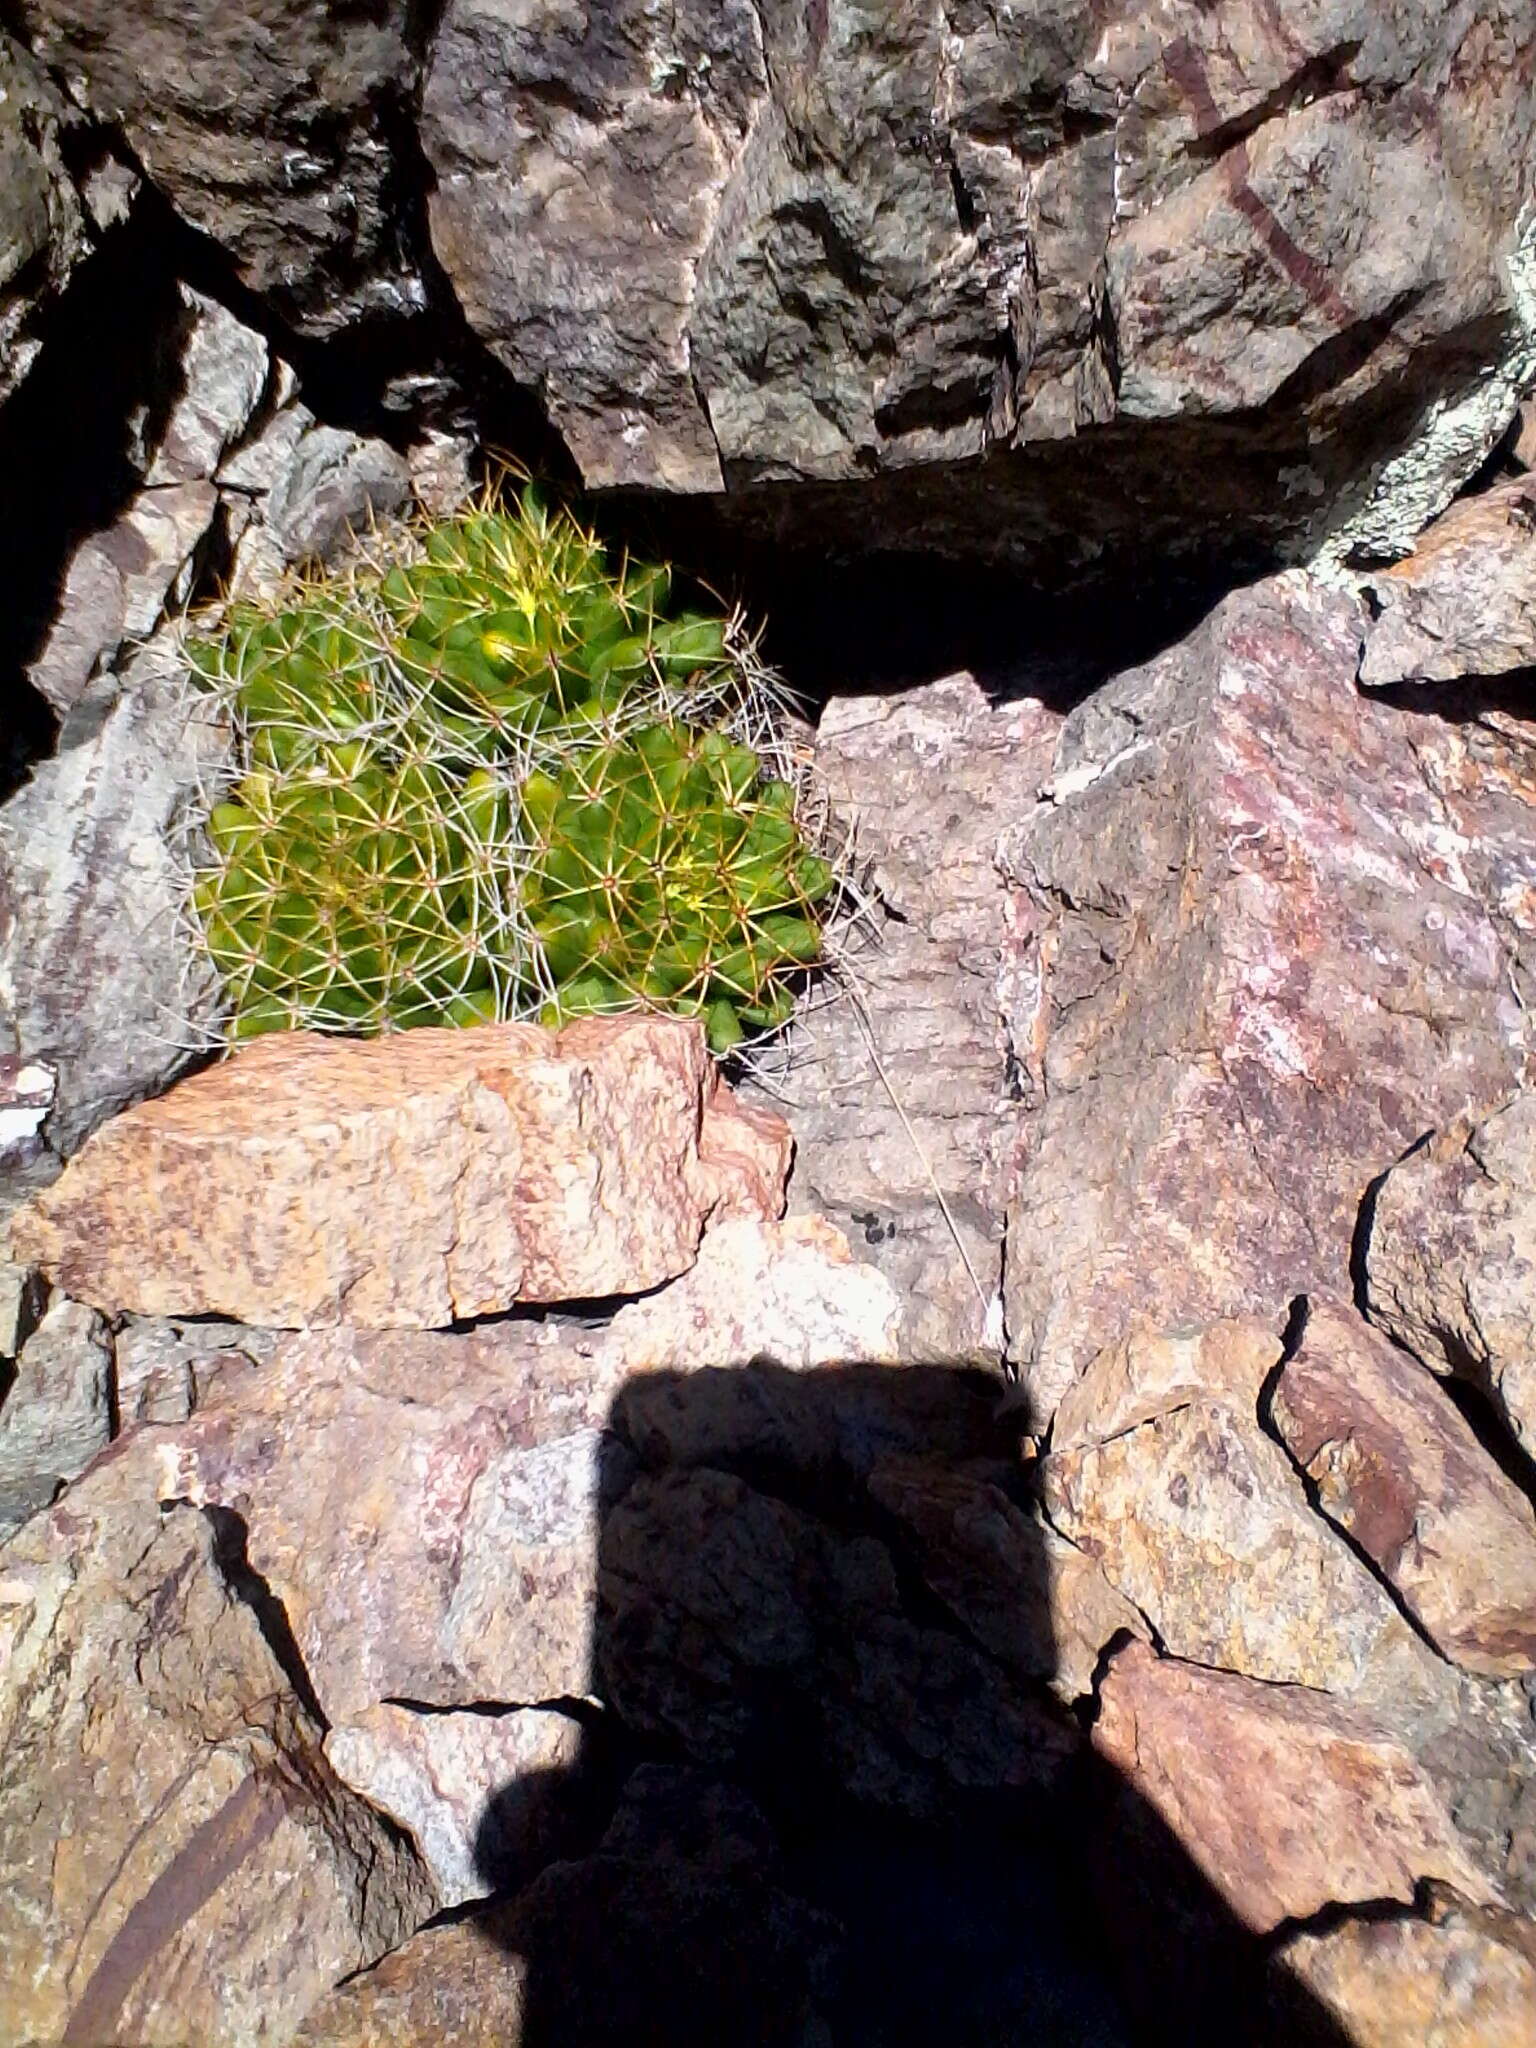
pixel 1123 263
pixel 1153 1372
pixel 767 1642
pixel 899 768
pixel 414 1180
pixel 94 974
pixel 162 1369
pixel 1262 953
pixel 1286 1801
pixel 1451 1257
pixel 337 485
pixel 266 128
pixel 178 1861
pixel 223 377
pixel 118 584
pixel 1464 603
pixel 56 1413
pixel 486 1798
pixel 1464 1981
pixel 23 1297
pixel 1395 1466
pixel 394 1485
pixel 1032 1600
pixel 678 1929
pixel 1523 448
pixel 43 231
pixel 27 1092
pixel 1197 1518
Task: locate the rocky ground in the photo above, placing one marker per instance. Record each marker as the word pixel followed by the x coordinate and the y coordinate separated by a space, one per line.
pixel 1014 1521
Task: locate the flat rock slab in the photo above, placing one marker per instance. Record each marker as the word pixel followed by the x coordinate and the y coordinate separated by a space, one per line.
pixel 1273 942
pixel 1394 1464
pixel 411 1181
pixel 177 1861
pixel 1451 1260
pixel 1285 1800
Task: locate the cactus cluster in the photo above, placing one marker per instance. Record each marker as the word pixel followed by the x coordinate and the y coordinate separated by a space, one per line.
pixel 497 779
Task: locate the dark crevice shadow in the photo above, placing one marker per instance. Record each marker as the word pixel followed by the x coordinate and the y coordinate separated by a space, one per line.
pixel 849 1813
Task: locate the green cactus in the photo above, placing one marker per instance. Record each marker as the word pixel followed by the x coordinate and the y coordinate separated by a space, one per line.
pixel 496 779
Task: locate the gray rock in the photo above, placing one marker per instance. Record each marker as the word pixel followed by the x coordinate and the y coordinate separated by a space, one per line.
pixel 1268 935
pixel 1451 1258
pixel 223 368
pixel 337 485
pixel 56 1414
pixel 43 230
pixel 899 1092
pixel 268 126
pixel 1130 263
pixel 163 1369
pixel 95 975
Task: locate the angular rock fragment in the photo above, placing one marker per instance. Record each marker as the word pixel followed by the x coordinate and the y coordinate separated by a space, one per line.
pixel 1285 1800
pixel 1465 1978
pixel 1464 602
pixel 178 1862
pixel 43 232
pixel 1451 1258
pixel 56 1413
pixel 1265 954
pixel 1199 1519
pixel 162 1370
pixel 910 1080
pixel 487 1798
pixel 414 1180
pixel 1395 1466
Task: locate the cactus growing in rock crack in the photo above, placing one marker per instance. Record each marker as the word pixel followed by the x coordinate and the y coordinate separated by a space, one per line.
pixel 496 779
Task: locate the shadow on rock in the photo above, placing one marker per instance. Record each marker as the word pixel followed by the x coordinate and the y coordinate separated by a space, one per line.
pixel 859 1803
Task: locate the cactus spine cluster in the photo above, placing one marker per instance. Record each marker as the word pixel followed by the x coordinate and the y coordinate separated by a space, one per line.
pixel 498 779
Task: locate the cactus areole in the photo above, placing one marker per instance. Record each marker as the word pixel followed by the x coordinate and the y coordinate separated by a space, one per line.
pixel 498 780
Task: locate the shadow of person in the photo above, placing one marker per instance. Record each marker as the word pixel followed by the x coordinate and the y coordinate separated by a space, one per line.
pixel 856 1806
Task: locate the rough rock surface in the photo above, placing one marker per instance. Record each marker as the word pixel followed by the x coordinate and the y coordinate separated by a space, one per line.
pixel 898 769
pixel 272 127
pixel 1287 1801
pixel 93 969
pixel 1451 1257
pixel 746 244
pixel 1464 602
pixel 1465 1978
pixel 1393 1463
pixel 764 1639
pixel 177 1861
pixel 56 1414
pixel 411 1181
pixel 393 1485
pixel 1200 1520
pixel 1265 943
pixel 485 1797
pixel 43 231
pixel 162 1369
pixel 676 1929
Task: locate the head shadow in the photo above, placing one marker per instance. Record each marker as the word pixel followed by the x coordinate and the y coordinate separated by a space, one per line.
pixel 844 1751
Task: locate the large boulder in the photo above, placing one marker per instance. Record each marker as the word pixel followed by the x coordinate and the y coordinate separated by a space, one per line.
pixel 412 1180
pixel 1271 932
pixel 1160 274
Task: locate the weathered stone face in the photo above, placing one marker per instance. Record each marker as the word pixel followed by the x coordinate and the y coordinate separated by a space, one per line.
pixel 269 128
pixel 1464 602
pixel 1270 941
pixel 178 1861
pixel 1397 1468
pixel 738 245
pixel 1451 1262
pixel 409 1181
